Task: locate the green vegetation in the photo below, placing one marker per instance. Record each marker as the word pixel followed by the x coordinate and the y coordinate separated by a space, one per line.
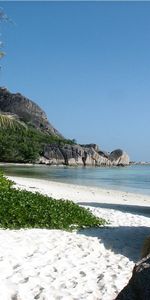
pixel 23 209
pixel 25 145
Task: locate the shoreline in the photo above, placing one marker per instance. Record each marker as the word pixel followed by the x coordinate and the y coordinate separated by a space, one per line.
pixel 81 193
pixel 57 165
pixel 38 171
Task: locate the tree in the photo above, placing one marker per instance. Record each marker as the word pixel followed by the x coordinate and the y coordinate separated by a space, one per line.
pixel 7 120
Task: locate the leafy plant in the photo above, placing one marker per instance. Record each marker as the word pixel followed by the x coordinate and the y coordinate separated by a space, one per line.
pixel 23 209
pixel 5 184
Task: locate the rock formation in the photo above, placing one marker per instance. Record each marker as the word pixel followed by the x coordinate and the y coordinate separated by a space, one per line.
pixel 60 153
pixel 138 287
pixel 87 155
pixel 119 157
pixel 27 111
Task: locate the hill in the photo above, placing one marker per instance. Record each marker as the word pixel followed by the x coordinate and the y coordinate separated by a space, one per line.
pixel 27 111
pixel 42 143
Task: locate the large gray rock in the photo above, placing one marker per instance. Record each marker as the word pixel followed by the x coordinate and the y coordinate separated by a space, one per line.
pixel 104 154
pixel 138 287
pixel 119 157
pixel 64 154
pixel 53 154
pixel 26 110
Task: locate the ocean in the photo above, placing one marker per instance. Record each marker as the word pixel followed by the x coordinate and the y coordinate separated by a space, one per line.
pixel 134 178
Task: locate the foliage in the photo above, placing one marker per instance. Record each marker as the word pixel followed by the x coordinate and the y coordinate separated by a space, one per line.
pixel 74 141
pixel 21 145
pixel 23 209
pixel 4 182
pixel 12 121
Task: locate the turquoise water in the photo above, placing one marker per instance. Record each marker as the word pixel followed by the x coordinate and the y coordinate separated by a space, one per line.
pixel 129 179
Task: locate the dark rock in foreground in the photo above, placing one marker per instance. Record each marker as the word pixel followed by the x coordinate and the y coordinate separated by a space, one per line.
pixel 138 287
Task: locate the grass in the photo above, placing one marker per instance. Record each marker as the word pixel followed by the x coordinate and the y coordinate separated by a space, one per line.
pixel 23 209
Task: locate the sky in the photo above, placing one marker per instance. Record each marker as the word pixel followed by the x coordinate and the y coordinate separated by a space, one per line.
pixel 87 64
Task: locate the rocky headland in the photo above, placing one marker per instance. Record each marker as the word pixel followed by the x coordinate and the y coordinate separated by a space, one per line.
pixel 62 151
pixel 86 155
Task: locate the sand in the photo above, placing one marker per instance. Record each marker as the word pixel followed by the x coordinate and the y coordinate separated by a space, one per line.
pixel 91 264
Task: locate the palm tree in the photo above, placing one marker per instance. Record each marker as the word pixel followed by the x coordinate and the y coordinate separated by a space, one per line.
pixel 11 121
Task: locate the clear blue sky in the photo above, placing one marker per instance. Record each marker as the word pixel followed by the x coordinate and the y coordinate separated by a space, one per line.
pixel 87 64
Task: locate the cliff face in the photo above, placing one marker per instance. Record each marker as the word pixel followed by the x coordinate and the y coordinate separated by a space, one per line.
pixel 26 110
pixel 32 114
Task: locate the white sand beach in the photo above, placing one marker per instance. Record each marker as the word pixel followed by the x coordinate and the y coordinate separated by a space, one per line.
pixel 92 264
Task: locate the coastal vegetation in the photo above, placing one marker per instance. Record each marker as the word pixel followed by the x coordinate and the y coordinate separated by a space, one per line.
pixel 25 144
pixel 24 209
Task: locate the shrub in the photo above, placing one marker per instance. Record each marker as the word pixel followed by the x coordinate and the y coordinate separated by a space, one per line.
pixel 5 184
pixel 24 209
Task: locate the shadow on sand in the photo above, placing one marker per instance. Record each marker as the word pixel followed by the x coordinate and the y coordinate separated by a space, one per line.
pixel 125 240
pixel 134 209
